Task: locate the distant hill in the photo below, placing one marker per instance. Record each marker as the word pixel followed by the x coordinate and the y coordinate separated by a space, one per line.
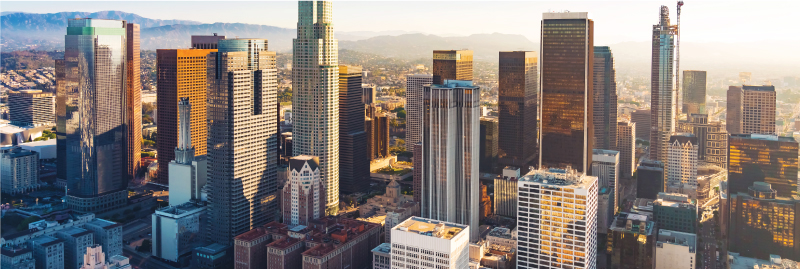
pixel 58 21
pixel 179 35
pixel 412 46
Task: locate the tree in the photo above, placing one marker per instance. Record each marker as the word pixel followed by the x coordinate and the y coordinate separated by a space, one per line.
pixel 24 224
pixel 147 108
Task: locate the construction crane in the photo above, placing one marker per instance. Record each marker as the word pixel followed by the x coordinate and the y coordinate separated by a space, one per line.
pixel 678 63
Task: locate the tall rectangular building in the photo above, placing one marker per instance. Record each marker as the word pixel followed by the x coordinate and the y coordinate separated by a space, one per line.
pixel 315 99
pixel 450 146
pixel 304 193
pixel 694 92
pixel 649 179
pixel 92 115
pixel 376 125
pixel 567 61
pixel 766 158
pixel 518 94
pixel 605 166
pixel 505 192
pixel 451 65
pixel 414 84
pixel 133 90
pixel 662 92
pixel 181 74
pixel 547 237
pixel 681 165
pixel 712 138
pixel 242 137
pixel 632 241
pixel 31 107
pixel 642 119
pixel 489 144
pixel 19 170
pixel 626 145
pixel 751 110
pixel 353 162
pixel 605 99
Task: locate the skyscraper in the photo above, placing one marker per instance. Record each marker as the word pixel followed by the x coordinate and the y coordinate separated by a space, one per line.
pixel 694 92
pixel 92 115
pixel 451 64
pixel 414 85
pixel 649 179
pixel 642 119
pixel 751 110
pixel 632 241
pixel 605 99
pixel 187 174
pixel 304 192
pixel 768 158
pixel 762 223
pixel 315 99
pixel 550 237
pixel 181 74
pixel 662 91
pixel 353 162
pixel 518 92
pixel 567 93
pixel 450 153
pixel 376 125
pixel 488 144
pixel 626 145
pixel 133 90
pixel 242 134
pixel 681 165
pixel 605 166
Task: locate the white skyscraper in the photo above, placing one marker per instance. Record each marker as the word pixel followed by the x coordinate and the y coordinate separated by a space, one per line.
pixel 315 101
pixel 557 220
pixel 414 87
pixel 450 151
pixel 681 165
pixel 605 166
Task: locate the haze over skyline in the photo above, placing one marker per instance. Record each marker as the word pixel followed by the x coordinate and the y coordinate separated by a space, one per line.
pixel 616 21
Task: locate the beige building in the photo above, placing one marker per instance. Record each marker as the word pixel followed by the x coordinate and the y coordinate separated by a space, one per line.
pixel 394 205
pixel 751 110
pixel 681 165
pixel 626 145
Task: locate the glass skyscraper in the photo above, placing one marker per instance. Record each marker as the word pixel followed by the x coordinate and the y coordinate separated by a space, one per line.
pixel 518 93
pixel 605 100
pixel 92 115
pixel 662 93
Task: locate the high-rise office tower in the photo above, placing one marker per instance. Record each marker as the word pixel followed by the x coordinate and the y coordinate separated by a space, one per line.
pixel 567 61
pixel 681 165
pixel 92 115
pixel 353 162
pixel 417 177
pixel 662 92
pixel 187 174
pixel 768 158
pixel 632 241
pixel 414 85
pixel 242 134
pixel 488 143
pixel 550 237
pixel 206 41
pixel 712 138
pixel 505 192
pixel 452 65
pixel 626 145
pixel 517 98
pixel 605 99
pixel 642 119
pixel 694 92
pixel 751 110
pixel 31 107
pixel 368 94
pixel 315 99
pixel 649 179
pixel 133 90
pixel 763 224
pixel 450 153
pixel 181 74
pixel 605 166
pixel 304 192
pixel 376 126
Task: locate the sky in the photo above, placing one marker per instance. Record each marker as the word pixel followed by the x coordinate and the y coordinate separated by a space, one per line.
pixel 615 21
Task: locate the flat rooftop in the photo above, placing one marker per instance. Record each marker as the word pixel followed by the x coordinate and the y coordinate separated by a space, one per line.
pixel 677 238
pixel 501 232
pixel 384 248
pixel 15 251
pixel 104 223
pixel 75 231
pixel 559 177
pixel 46 240
pixel 429 227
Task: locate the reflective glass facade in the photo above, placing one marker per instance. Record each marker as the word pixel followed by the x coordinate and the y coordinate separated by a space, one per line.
pixel 567 97
pixel 451 64
pixel 353 162
pixel 92 118
pixel 765 158
pixel 662 93
pixel 518 92
pixel 762 224
pixel 694 92
pixel 605 100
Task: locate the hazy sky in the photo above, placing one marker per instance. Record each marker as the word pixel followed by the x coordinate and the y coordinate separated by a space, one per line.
pixel 615 21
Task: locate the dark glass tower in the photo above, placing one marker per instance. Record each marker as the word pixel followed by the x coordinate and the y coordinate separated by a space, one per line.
pixel 518 93
pixel 92 115
pixel 353 162
pixel 605 100
pixel 765 158
pixel 567 58
pixel 694 92
pixel 451 64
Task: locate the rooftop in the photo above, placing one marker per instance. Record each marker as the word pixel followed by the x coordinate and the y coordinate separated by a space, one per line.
pixel 46 240
pixel 632 223
pixel 764 137
pixel 213 248
pixel 565 15
pixel 677 238
pixel 14 251
pixel 673 200
pixel 501 233
pixel 284 243
pixel 449 84
pixel 75 231
pixel 429 227
pixel 104 223
pixel 775 262
pixel 559 177
pixel 180 210
pixel 383 248
pixel 251 235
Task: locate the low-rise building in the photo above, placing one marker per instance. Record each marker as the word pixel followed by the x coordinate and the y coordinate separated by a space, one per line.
pixel 76 240
pixel 17 257
pixel 19 170
pixel 425 243
pixel 631 241
pixel 107 234
pixel 382 256
pixel 393 204
pixel 214 256
pixel 176 230
pixel 674 211
pixel 48 252
pixel 675 249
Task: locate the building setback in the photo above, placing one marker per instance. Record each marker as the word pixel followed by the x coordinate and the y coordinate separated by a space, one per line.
pixel 92 118
pixel 181 74
pixel 765 158
pixel 353 162
pixel 242 138
pixel 662 92
pixel 567 92
pixel 315 99
pixel 751 110
pixel 450 145
pixel 451 65
pixel 694 92
pixel 605 99
pixel 31 107
pixel 518 94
